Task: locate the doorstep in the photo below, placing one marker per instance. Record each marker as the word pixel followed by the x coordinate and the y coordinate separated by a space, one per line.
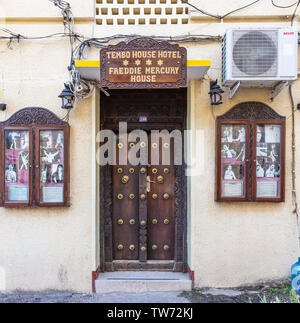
pixel 142 282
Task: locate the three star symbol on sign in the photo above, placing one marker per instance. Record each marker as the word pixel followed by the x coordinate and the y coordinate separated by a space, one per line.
pixel 148 62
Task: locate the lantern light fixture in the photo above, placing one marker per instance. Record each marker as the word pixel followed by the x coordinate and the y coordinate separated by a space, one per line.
pixel 3 106
pixel 67 97
pixel 215 93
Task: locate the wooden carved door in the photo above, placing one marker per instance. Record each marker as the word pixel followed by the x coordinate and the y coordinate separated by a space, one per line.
pixel 143 206
pixel 143 203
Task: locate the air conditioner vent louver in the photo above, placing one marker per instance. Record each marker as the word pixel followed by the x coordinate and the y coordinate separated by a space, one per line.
pixel 255 53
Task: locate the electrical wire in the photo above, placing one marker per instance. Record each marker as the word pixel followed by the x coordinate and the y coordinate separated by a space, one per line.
pixel 14 36
pixel 241 8
pixel 219 16
pixel 294 190
pixel 66 117
pixel 294 14
pixel 81 88
pixel 283 7
pixel 102 42
pixel 78 85
pixel 200 10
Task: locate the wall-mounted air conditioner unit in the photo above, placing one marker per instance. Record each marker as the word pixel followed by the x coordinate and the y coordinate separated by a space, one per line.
pixel 260 57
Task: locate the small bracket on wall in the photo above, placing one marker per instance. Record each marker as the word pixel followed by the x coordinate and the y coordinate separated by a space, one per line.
pixel 276 89
pixel 234 89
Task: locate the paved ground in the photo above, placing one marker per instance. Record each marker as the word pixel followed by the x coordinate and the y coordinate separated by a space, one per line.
pixel 258 294
pixel 68 297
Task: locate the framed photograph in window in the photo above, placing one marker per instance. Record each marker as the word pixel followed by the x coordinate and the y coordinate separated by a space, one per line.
pixel 250 154
pixel 269 175
pixel 52 174
pixel 232 151
pixel 34 160
pixel 17 166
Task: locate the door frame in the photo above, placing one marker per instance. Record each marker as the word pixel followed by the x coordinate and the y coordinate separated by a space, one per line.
pixel 175 119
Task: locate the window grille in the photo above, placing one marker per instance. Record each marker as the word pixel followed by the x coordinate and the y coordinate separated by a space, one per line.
pixel 141 12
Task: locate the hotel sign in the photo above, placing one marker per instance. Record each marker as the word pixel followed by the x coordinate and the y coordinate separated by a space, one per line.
pixel 143 63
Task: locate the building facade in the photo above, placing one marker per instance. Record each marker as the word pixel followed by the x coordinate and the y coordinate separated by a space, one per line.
pixel 227 226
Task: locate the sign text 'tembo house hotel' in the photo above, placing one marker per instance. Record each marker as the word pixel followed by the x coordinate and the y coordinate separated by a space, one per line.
pixel 144 66
pixel 134 67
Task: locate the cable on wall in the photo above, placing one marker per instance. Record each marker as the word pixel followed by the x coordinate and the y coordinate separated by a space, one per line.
pixel 84 88
pixel 241 8
pixel 219 16
pixel 244 7
pixel 102 42
pixel 294 14
pixel 294 189
pixel 80 87
pixel 283 7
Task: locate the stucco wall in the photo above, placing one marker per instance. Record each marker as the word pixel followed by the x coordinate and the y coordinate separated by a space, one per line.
pixel 44 8
pixel 230 244
pixel 48 248
pixel 238 243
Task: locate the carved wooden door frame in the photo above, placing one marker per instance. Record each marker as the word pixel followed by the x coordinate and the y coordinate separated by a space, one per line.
pixel 159 118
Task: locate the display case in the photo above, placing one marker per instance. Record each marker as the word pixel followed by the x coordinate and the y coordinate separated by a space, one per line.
pixel 52 168
pixel 35 160
pixel 250 154
pixel 17 166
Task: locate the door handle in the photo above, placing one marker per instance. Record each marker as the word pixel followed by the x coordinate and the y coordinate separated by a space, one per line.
pixel 149 180
pixel 149 183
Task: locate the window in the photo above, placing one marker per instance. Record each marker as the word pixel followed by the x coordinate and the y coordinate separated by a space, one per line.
pixel 250 156
pixel 35 172
pixel 17 165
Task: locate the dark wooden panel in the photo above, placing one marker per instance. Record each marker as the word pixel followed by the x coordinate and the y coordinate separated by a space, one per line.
pixel 143 225
pixel 126 210
pixel 161 107
pixel 161 227
pixel 142 266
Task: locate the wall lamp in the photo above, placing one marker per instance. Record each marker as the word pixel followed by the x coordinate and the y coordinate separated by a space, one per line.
pixel 67 97
pixel 215 93
pixel 3 106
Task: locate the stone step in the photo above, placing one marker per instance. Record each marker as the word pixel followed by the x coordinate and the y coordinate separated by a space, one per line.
pixel 142 282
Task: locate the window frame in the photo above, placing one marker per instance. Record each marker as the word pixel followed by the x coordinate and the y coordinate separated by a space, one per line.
pixel 66 192
pixel 250 114
pixel 219 161
pixel 34 120
pixel 3 145
pixel 282 161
